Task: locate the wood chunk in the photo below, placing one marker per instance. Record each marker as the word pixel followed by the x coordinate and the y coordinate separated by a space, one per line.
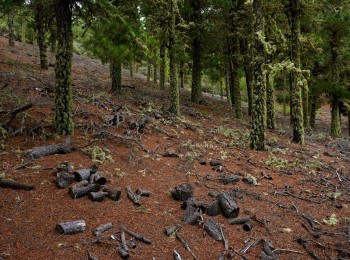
pixel 64 167
pixel 123 253
pixel 98 196
pixel 14 185
pixel 170 155
pixel 241 220
pixel 136 236
pixel 182 192
pixel 101 229
pixel 214 208
pixel 49 150
pixel 191 215
pixel 228 205
pixel 71 227
pixel 144 193
pixel 230 179
pixel 170 230
pixel 82 174
pixel 201 161
pixel 98 177
pixel 113 194
pixel 247 226
pixel 213 229
pixel 215 162
pixel 64 179
pixel 132 196
pixel 77 192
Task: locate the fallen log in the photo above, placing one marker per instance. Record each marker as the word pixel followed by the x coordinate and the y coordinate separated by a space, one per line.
pixel 64 179
pixel 82 174
pixel 101 229
pixel 42 151
pixel 14 185
pixel 98 196
pixel 113 194
pixel 132 196
pixel 230 179
pixel 228 205
pixel 182 192
pixel 123 253
pixel 98 177
pixel 213 229
pixel 135 235
pixel 71 227
pixel 81 191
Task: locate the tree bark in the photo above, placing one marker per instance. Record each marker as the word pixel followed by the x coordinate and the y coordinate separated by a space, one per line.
pixel 40 27
pixel 174 90
pixel 270 103
pixel 116 76
pixel 335 118
pixel 162 67
pixel 63 70
pixel 71 227
pixel 182 74
pixel 11 27
pixel 196 92
pixel 257 134
pixel 296 102
pixel 155 71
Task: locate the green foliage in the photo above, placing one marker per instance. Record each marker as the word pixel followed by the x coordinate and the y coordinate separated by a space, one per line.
pixel 99 155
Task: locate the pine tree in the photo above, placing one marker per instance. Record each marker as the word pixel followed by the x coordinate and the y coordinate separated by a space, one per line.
pixel 40 23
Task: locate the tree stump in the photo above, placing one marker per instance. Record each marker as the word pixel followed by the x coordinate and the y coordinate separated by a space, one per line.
pixel 71 227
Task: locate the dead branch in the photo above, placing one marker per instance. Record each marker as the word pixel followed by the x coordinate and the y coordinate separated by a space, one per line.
pixel 133 196
pixel 135 235
pixel 13 114
pixel 186 245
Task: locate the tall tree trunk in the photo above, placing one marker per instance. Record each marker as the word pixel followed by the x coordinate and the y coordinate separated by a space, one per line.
pixel 270 103
pixel 313 110
pixel 11 27
pixel 115 69
pixel 131 68
pixel 40 27
pixel 155 71
pixel 335 117
pixel 148 72
pixel 257 134
pixel 248 80
pixel 182 74
pixel 162 67
pixel 23 26
pixel 53 37
pixel 236 89
pixel 196 90
pixel 63 70
pixel 221 89
pixel 296 103
pixel 305 95
pixel 227 88
pixel 349 122
pixel 174 90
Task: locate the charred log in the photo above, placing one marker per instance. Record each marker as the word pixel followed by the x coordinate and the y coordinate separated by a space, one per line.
pixel 101 229
pixel 98 177
pixel 144 193
pixel 49 150
pixel 182 192
pixel 64 179
pixel 71 227
pixel 213 229
pixel 113 194
pixel 241 220
pixel 14 185
pixel 98 196
pixel 81 191
pixel 228 205
pixel 132 196
pixel 82 174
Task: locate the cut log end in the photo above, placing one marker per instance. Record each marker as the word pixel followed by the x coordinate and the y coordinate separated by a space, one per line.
pixel 71 227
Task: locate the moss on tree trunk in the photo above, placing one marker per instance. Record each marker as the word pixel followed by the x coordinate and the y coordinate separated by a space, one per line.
pixel 115 69
pixel 296 103
pixel 335 118
pixel 257 134
pixel 63 69
pixel 270 103
pixel 40 27
pixel 182 74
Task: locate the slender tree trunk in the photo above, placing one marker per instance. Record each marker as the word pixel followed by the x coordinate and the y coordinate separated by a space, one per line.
pixel 40 27
pixel 63 70
pixel 182 75
pixel 162 67
pixel 115 69
pixel 148 72
pixel 53 37
pixel 174 90
pixel 296 108
pixel 236 88
pixel 270 103
pixel 349 122
pixel 257 134
pixel 248 79
pixel 221 90
pixel 305 95
pixel 23 26
pixel 335 117
pixel 227 88
pixel 131 68
pixel 155 71
pixel 11 27
pixel 313 110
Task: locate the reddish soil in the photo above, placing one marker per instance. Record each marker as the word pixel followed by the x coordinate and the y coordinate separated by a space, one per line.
pixel 302 175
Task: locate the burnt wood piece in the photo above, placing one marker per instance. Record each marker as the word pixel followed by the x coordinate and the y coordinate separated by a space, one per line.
pixel 113 194
pixel 240 220
pixel 247 226
pixel 228 205
pixel 186 245
pixel 101 229
pixel 213 208
pixel 215 162
pixel 191 215
pixel 264 256
pixel 268 248
pixel 82 174
pixel 123 241
pixel 80 184
pixel 71 227
pixel 230 178
pixel 98 196
pixel 136 236
pixel 131 243
pixel 144 193
pixel 132 196
pixel 182 192
pixel 143 122
pixel 213 229
pixel 14 185
pixel 201 161
pixel 64 179
pixel 123 253
pixel 304 243
pixel 49 150
pixel 91 256
pixel 251 244
pixel 170 230
pixel 98 177
pixel 77 192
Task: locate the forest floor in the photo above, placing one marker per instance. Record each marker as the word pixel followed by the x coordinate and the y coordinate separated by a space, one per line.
pixel 296 187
